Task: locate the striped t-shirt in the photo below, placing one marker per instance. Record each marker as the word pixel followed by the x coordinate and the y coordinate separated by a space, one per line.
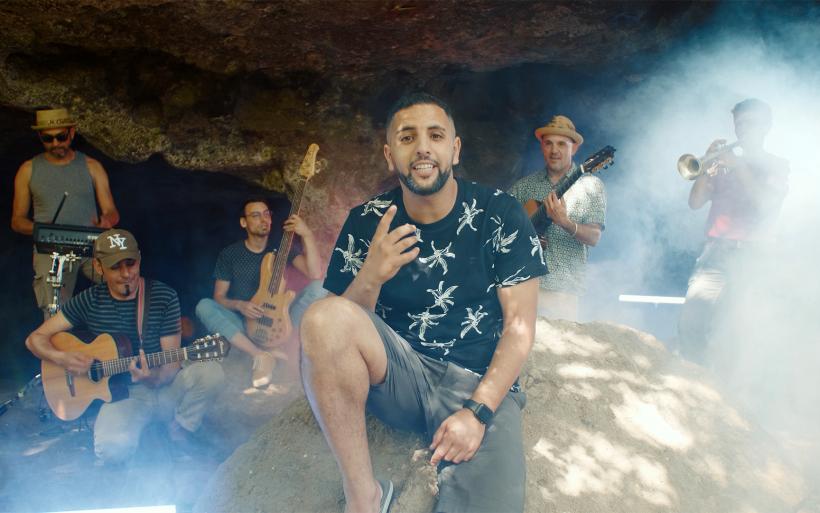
pixel 96 311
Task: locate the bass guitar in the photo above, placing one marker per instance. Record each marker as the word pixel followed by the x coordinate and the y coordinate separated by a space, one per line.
pixel 69 396
pixel 274 326
pixel 535 208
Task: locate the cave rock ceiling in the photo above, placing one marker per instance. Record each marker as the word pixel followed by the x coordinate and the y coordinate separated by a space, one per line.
pixel 245 85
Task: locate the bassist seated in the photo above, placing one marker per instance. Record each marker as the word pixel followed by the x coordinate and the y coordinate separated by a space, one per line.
pixel 180 397
pixel 238 283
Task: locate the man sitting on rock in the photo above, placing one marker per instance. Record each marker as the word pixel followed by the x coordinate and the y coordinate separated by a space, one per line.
pixel 236 280
pixel 435 315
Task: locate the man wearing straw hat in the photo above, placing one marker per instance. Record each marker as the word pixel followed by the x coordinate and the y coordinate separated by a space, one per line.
pixel 45 181
pixel 577 218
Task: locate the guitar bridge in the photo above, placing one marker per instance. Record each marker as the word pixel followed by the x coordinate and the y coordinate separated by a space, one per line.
pixel 69 381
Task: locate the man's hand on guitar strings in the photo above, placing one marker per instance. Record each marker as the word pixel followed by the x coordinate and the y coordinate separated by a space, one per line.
pixel 140 372
pixel 77 364
pixel 251 310
pixel 556 209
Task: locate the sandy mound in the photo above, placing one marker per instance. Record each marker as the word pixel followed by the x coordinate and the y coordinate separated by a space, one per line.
pixel 614 423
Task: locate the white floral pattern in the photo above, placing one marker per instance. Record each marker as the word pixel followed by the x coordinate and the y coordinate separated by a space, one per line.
pixel 438 257
pixel 353 260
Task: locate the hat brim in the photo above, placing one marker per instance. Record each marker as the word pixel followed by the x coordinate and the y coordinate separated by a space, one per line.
pixel 109 261
pixel 546 130
pixel 47 127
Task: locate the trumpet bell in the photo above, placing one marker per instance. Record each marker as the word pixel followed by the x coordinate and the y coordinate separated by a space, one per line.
pixel 689 166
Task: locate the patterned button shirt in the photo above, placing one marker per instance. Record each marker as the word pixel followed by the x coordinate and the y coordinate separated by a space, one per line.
pixel 566 257
pixel 445 302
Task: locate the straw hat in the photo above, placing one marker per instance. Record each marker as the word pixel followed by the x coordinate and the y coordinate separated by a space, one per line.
pixel 559 125
pixel 53 118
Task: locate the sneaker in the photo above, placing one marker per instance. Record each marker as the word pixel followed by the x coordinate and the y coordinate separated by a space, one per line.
pixel 262 369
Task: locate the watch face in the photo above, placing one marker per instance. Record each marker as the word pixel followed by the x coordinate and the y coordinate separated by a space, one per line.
pixel 481 411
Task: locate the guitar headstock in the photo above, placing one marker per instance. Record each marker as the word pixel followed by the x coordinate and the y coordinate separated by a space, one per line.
pixel 601 159
pixel 209 347
pixel 308 167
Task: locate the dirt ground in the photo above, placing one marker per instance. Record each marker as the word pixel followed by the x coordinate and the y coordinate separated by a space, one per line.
pixel 49 465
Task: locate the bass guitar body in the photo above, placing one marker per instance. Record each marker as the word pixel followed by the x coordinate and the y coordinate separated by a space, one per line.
pixel 274 326
pixel 69 396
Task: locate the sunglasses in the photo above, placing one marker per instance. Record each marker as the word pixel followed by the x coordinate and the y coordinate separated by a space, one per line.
pixel 48 138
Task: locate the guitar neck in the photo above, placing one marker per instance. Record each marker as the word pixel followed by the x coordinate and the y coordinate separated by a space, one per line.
pixel 567 180
pixel 540 220
pixel 287 241
pixel 121 365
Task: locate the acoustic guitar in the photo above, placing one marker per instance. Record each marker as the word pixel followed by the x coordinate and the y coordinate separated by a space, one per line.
pixel 535 208
pixel 274 326
pixel 69 396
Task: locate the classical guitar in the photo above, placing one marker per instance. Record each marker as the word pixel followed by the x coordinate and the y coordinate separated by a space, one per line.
pixel 274 326
pixel 69 396
pixel 535 208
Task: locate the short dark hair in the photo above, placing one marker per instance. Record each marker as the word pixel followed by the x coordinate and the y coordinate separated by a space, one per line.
pixel 417 98
pixel 258 198
pixel 753 105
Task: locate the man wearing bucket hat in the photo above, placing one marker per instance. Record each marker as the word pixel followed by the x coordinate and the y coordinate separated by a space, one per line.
pixel 180 397
pixel 577 218
pixel 60 173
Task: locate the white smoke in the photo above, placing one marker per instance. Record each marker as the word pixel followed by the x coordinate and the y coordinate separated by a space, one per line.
pixel 769 348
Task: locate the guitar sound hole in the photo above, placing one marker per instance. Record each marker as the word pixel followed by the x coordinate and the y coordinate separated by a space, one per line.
pixel 95 372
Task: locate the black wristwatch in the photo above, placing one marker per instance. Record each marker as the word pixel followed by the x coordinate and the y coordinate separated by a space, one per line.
pixel 481 411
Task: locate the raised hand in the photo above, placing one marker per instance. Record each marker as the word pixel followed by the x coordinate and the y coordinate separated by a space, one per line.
pixel 389 250
pixel 297 225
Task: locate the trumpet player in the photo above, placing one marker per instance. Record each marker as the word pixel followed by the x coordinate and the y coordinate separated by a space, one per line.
pixel 745 195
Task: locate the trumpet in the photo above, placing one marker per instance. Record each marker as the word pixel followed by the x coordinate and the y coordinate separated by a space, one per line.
pixel 691 167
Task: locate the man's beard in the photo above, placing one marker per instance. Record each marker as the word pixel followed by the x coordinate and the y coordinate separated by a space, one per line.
pixel 441 179
pixel 58 152
pixel 127 290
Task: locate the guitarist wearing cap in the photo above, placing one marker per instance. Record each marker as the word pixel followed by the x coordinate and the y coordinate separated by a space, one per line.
pixel 577 218
pixel 179 397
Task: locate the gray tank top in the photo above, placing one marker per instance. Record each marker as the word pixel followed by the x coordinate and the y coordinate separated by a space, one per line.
pixel 49 182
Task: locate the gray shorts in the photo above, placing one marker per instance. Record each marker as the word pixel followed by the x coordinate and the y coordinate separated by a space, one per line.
pixel 418 393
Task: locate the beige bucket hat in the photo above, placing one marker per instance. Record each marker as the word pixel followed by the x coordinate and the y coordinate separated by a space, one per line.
pixel 560 125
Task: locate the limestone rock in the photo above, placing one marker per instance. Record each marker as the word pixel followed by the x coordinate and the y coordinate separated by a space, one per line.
pixel 613 423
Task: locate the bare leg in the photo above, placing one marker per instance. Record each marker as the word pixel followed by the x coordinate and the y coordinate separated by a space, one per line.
pixel 342 356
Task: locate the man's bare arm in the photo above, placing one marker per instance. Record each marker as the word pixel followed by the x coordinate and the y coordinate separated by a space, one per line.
pixel 460 435
pixel 518 303
pixel 109 216
pixel 20 221
pixel 246 308
pixel 39 343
